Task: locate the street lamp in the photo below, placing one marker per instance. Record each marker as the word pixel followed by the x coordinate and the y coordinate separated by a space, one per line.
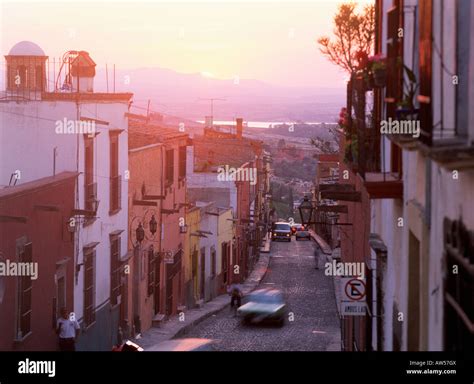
pixel 306 211
pixel 153 225
pixel 140 233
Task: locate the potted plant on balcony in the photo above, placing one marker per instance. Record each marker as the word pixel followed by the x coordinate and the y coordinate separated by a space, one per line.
pixel 378 68
pixel 364 70
pixel 406 107
pixel 351 151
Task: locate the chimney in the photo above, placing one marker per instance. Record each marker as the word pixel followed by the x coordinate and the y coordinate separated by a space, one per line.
pixel 239 122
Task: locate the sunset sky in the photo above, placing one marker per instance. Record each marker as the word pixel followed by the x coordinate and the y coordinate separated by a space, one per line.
pixel 270 41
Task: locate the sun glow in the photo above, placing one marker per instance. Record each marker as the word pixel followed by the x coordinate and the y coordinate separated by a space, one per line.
pixel 207 74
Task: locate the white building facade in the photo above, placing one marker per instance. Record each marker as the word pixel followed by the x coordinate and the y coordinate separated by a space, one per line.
pixel 69 129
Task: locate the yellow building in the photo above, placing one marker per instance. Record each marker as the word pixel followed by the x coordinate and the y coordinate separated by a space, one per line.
pixel 191 250
pixel 225 247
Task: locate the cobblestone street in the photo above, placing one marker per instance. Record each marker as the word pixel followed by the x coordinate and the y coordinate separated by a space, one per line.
pixel 310 298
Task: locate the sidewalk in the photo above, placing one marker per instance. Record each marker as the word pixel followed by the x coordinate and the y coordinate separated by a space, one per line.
pixel 174 327
pixel 320 241
pixel 336 342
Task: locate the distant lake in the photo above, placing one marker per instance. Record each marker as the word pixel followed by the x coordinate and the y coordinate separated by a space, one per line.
pixel 260 124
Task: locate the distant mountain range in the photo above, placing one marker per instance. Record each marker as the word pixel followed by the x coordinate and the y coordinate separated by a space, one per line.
pixel 182 95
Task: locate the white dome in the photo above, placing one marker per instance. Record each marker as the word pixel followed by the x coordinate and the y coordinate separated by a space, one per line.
pixel 26 48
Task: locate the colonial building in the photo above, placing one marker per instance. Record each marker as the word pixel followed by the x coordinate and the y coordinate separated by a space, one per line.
pixel 171 211
pixel 61 124
pixel 232 171
pixel 145 227
pixel 413 190
pixel 34 228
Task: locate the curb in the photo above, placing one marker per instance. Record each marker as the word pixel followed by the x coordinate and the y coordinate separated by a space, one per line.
pixel 192 324
pixel 186 328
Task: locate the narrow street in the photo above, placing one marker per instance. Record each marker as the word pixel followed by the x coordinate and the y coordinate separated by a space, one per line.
pixel 309 296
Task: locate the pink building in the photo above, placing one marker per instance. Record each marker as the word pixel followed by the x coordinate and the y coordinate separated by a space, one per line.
pixel 170 211
pixel 35 227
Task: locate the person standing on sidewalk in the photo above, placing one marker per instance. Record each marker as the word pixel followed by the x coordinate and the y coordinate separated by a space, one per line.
pixel 67 330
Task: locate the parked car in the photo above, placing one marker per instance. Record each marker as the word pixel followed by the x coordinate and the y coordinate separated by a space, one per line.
pixel 263 305
pixel 281 231
pixel 183 345
pixel 294 228
pixel 302 233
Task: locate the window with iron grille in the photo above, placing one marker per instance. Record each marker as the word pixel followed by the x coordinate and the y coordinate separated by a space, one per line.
pixel 89 286
pixel 169 166
pixel 115 270
pixel 115 178
pixel 151 271
pixel 182 162
pixel 90 195
pixel 24 294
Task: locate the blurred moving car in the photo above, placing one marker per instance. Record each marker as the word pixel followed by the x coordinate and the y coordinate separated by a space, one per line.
pixel 281 231
pixel 183 345
pixel 295 227
pixel 302 233
pixel 263 305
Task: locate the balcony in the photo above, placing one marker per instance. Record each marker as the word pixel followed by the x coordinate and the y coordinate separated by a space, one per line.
pixel 362 143
pixel 384 185
pixel 453 153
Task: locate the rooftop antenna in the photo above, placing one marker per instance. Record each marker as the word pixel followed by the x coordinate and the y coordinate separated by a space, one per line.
pixel 212 104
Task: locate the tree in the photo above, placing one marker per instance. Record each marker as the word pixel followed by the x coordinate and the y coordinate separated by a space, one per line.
pixel 326 146
pixel 353 37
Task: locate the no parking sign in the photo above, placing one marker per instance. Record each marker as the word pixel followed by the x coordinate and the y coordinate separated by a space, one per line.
pixel 353 297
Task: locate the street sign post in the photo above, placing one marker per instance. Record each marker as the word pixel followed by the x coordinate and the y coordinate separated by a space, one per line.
pixel 353 296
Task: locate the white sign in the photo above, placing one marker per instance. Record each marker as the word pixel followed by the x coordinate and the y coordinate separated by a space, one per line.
pixel 168 257
pixel 353 296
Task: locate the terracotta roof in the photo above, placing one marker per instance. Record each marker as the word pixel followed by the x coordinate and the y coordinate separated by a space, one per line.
pixel 83 96
pixel 37 184
pixel 138 140
pixel 212 152
pixel 160 133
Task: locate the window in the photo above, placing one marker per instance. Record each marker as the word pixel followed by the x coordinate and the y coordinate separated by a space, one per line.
pixel 225 263
pixel 426 64
pixel 182 162
pixel 90 196
pixel 115 270
pixel 458 301
pixel 213 261
pixel 195 263
pixel 169 167
pixel 24 295
pixel 151 271
pixel 203 272
pixel 115 178
pixel 394 50
pixel 89 286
